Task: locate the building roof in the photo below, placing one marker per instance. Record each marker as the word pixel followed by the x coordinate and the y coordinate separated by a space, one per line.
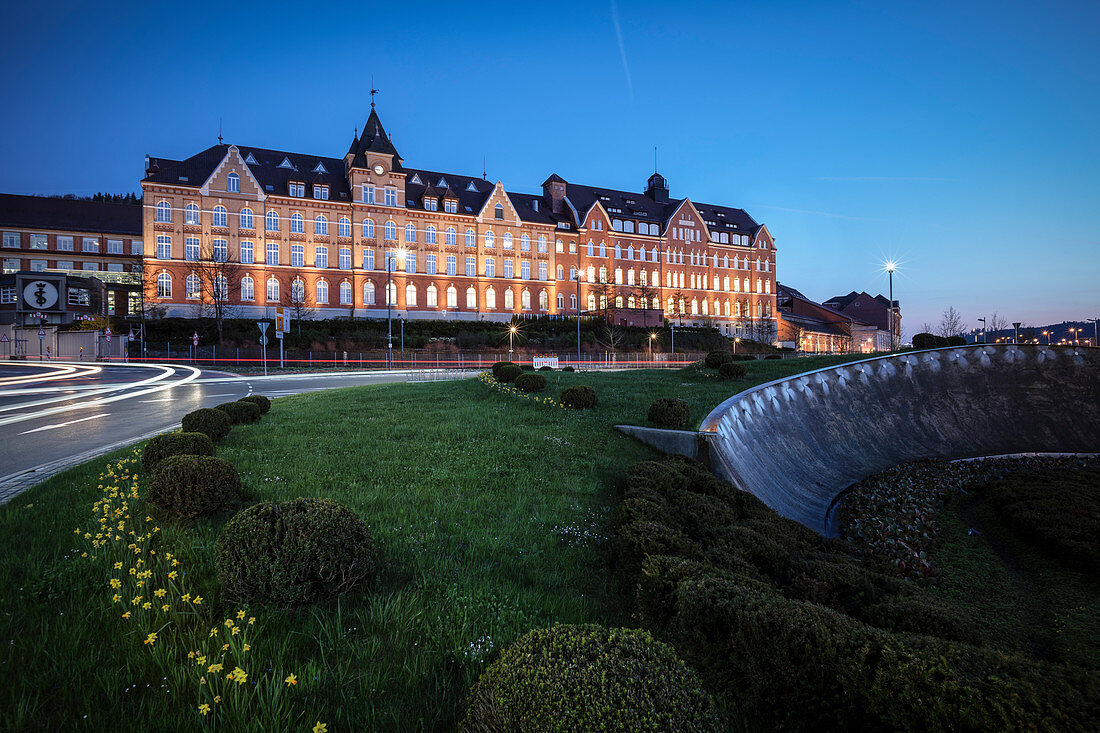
pixel 373 139
pixel 471 192
pixel 75 215
pixel 840 302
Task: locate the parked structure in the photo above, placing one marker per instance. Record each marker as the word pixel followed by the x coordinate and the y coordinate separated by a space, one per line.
pixel 247 229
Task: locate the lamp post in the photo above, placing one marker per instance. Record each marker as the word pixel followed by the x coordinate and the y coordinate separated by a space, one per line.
pixel 578 278
pixel 390 264
pixel 983 329
pixel 652 336
pixel 511 332
pixel 1016 325
pixel 1094 328
pixel 1047 334
pixel 890 267
pixel 736 340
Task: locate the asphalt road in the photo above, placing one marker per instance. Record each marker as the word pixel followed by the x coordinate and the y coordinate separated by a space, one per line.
pixel 53 412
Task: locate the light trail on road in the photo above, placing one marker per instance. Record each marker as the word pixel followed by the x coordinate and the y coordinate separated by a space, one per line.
pixel 57 371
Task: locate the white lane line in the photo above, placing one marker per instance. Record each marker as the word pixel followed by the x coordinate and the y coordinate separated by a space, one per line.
pixel 163 399
pixel 63 424
pixel 165 373
pixel 226 394
pixel 61 372
pixel 107 400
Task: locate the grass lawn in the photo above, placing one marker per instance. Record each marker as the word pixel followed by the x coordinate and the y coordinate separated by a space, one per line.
pixel 489 514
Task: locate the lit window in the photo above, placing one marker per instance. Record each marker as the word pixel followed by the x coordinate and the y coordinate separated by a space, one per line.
pixel 507 240
pixel 273 289
pixel 164 285
pixel 248 288
pixel 410 296
pixel 431 297
pixel 368 293
pixel 298 291
pixel 246 252
pixel 542 243
pixel 344 227
pixel 164 214
pixel 490 298
pixel 193 286
pixel 471 298
pixel 452 297
pixel 509 300
pixel 345 293
pixel 322 291
pixel 191 214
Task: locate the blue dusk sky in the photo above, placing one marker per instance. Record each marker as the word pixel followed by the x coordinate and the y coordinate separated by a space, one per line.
pixel 960 138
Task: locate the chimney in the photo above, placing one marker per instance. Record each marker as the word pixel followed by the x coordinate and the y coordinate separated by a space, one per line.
pixel 553 190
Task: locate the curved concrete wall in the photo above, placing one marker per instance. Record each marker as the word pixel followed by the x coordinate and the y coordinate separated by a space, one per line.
pixel 797 443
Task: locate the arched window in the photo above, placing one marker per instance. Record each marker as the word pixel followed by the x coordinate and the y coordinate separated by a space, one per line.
pixel 248 288
pixel 471 298
pixel 322 292
pixel 298 291
pixel 164 285
pixel 681 305
pixel 759 285
pixel 618 276
pixel 391 231
pixel 656 303
pixel 432 297
pixel 542 243
pixel 618 301
pixel 525 300
pixel 694 307
pixel 451 236
pixel 345 293
pixel 429 234
pixel 320 224
pixel 452 296
pixel 498 211
pixel 726 307
pixel 410 232
pixel 297 223
pixel 192 285
pixel 221 217
pixel 524 243
pixel 591 275
pixel 490 299
pixel 573 301
pixel 233 183
pixel 591 302
pixel 191 214
pixel 603 250
pixel 705 307
pixel 630 252
pixel 544 301
pixel 489 239
pixel 410 296
pixel 344 229
pixel 273 289
pixel 391 294
pixel 471 238
pixel 591 249
pixel 561 302
pixel 560 272
pixel 509 300
pixel 164 212
pixel 737 309
pixel 618 252
pixel 246 218
pixel 368 293
pixel 630 302
pixel 572 273
pixel 368 228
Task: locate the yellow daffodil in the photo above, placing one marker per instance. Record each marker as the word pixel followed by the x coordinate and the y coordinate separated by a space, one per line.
pixel 240 615
pixel 204 708
pixel 216 667
pixel 247 647
pixel 320 728
pixel 291 680
pixel 198 600
pixel 151 639
pixel 160 592
pixel 229 623
pixel 236 630
pixel 126 615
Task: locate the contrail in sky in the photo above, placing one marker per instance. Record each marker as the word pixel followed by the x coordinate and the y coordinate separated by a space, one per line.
pixel 622 49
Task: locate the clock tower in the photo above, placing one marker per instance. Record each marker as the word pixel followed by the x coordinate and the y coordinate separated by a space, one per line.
pixel 373 161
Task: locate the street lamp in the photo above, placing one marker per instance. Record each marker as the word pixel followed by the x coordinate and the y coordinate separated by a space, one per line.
pixel 652 337
pixel 391 262
pixel 511 332
pixel 890 267
pixel 983 329
pixel 1094 328
pixel 578 279
pixel 736 341
pixel 1047 334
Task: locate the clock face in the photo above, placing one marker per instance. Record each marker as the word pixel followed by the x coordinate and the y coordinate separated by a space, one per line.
pixel 379 169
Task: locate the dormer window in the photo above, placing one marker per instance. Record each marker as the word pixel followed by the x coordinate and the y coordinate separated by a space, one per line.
pixel 498 211
pixel 471 187
pixel 416 180
pixel 286 164
pixel 251 159
pixel 296 189
pixel 431 204
pixel 320 192
pixel 450 206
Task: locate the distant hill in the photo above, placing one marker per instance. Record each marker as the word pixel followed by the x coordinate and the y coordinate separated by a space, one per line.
pixel 1055 333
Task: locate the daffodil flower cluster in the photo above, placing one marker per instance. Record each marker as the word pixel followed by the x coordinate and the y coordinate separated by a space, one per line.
pixel 507 389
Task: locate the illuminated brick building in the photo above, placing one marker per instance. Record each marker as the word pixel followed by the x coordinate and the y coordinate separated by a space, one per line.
pixel 251 229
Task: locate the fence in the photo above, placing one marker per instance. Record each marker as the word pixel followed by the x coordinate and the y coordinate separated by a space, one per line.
pixel 25 343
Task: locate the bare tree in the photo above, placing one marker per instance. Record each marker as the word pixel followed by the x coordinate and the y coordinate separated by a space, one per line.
pixel 951 324
pixel 678 304
pixel 611 337
pixel 645 292
pixel 219 283
pixel 927 327
pixel 792 332
pixel 996 323
pixel 301 302
pixel 605 291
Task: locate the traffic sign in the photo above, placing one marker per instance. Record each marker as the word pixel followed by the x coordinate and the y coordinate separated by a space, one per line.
pixel 131 336
pixel 263 326
pixel 4 339
pixel 263 340
pixel 41 334
pixel 280 320
pixel 195 338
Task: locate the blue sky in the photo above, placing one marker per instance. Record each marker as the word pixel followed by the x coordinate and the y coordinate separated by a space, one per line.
pixel 958 137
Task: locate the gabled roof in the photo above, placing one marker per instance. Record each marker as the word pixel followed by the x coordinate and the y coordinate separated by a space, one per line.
pixel 469 201
pixel 373 139
pixel 554 178
pixel 43 212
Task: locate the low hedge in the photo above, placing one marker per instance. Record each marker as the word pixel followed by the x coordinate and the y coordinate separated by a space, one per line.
pixel 528 367
pixel 214 423
pixel 297 552
pixel 578 397
pixel 546 369
pixel 716 359
pixel 669 412
pixel 568 369
pixel 240 413
pixel 531 382
pixel 193 486
pixel 589 678
pixel 260 401
pixel 931 341
pixel 176 444
pixel 729 370
pixel 509 372
pixel 498 366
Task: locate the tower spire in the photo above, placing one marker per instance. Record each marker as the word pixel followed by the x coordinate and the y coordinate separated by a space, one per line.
pixel 654 158
pixel 373 91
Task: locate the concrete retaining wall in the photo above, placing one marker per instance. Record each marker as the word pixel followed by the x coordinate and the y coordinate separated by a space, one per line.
pixel 797 443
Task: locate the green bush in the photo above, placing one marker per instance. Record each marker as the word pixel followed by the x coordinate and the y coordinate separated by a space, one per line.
pixel 578 397
pixel 568 369
pixel 589 678
pixel 214 423
pixel 528 368
pixel 669 412
pixel 193 486
pixel 928 341
pixel 509 372
pixel 716 359
pixel 956 341
pixel 729 370
pixel 546 368
pixel 260 401
pixel 531 382
pixel 297 552
pixel 773 356
pixel 498 366
pixel 176 444
pixel 240 413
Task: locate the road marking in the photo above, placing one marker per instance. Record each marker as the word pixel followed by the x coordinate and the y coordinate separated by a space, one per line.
pixel 166 399
pixel 63 424
pixel 122 386
pixel 227 394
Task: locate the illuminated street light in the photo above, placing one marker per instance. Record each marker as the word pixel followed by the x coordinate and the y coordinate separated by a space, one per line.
pixel 511 332
pixel 652 337
pixel 890 267
pixel 391 262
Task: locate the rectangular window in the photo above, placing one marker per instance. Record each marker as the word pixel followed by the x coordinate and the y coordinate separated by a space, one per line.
pixel 64 265
pixel 7 295
pixel 451 207
pixel 297 255
pixel 246 252
pixel 79 296
pixel 368 259
pixel 11 240
pixel 368 194
pixel 471 267
pixel 65 244
pixel 11 265
pixel 391 196
pixel 39 241
pixel 89 266
pixel 507 268
pixel 114 246
pixel 345 258
pixel 430 264
pixel 164 247
pixel 114 267
pixel 191 249
pixel 452 265
pixel 220 250
pixel 525 270
pixel 38 265
pixel 410 262
pixel 320 257
pixel 490 267
pixel 91 245
pixel 542 271
pixel 272 256
pixel 137 249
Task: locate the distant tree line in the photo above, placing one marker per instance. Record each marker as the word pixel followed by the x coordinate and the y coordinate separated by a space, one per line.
pixel 103 198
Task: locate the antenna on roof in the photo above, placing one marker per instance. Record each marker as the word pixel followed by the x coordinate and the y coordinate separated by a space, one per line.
pixel 654 158
pixel 373 91
pixel 219 131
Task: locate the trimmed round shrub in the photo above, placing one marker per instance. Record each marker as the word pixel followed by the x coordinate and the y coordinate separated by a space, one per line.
pixel 260 401
pixel 214 423
pixel 192 486
pixel 716 359
pixel 528 367
pixel 956 341
pixel 568 369
pixel 531 382
pixel 669 412
pixel 240 412
pixel 498 366
pixel 509 372
pixel 578 397
pixel 176 444
pixel 589 678
pixel 292 553
pixel 729 370
pixel 546 369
